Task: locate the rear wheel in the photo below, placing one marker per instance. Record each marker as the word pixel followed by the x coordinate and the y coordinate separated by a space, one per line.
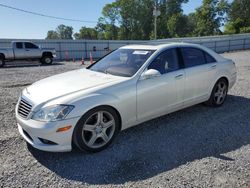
pixel 2 62
pixel 219 93
pixel 96 130
pixel 47 60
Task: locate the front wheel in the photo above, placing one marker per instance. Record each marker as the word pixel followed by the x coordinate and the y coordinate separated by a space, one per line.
pixel 96 130
pixel 219 93
pixel 47 60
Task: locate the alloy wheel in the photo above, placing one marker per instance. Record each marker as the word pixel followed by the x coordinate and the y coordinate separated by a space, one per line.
pixel 220 93
pixel 98 129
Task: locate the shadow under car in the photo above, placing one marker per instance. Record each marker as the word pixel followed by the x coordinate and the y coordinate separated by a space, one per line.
pixel 159 145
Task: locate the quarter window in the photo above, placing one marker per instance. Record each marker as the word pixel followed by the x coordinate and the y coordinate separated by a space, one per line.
pixel 166 62
pixel 193 57
pixel 209 58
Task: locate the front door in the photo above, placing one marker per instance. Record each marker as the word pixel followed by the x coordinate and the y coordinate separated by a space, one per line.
pixel 158 95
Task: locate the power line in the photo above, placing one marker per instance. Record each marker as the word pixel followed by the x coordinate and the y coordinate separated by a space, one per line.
pixel 47 16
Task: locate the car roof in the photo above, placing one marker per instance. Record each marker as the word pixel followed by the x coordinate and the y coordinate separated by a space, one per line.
pixel 15 41
pixel 161 46
pixel 157 46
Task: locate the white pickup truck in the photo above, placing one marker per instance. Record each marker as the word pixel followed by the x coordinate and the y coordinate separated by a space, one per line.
pixel 24 50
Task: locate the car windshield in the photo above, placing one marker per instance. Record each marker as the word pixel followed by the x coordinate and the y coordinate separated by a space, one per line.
pixel 122 62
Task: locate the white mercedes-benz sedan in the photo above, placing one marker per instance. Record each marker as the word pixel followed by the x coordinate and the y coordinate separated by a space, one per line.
pixel 88 107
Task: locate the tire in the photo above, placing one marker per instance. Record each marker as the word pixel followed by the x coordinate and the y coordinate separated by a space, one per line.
pixel 96 129
pixel 47 60
pixel 219 93
pixel 2 62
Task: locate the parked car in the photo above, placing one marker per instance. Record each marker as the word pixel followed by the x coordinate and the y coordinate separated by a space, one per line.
pixel 89 107
pixel 26 51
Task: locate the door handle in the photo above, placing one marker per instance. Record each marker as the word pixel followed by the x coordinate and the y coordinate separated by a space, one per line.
pixel 27 50
pixel 179 76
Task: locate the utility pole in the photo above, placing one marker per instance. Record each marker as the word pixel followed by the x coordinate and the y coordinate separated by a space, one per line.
pixel 156 13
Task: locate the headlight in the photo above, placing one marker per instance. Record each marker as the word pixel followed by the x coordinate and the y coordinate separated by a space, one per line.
pixel 53 113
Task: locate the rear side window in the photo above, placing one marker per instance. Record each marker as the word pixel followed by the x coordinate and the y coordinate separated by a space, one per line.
pixel 166 62
pixel 19 45
pixel 193 57
pixel 209 58
pixel 30 45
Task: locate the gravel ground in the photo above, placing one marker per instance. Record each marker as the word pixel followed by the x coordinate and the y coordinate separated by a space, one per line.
pixel 196 147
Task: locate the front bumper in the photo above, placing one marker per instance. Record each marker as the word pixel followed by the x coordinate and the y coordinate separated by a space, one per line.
pixel 34 132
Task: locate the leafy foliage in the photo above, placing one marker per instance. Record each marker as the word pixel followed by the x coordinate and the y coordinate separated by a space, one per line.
pixel 239 17
pixel 52 35
pixel 210 17
pixel 134 20
pixel 61 32
pixel 106 25
pixel 86 33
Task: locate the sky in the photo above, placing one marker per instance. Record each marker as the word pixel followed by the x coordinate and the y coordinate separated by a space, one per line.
pixel 21 25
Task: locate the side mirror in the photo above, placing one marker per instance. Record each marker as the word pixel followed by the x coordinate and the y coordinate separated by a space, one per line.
pixel 151 73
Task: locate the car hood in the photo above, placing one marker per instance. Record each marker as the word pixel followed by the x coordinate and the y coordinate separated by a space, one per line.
pixel 67 83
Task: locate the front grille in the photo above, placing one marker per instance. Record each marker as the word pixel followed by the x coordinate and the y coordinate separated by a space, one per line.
pixel 24 108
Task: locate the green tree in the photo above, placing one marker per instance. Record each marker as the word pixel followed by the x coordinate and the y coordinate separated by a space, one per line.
pixel 239 17
pixel 210 17
pixel 111 12
pixel 100 27
pixel 174 7
pixel 133 19
pixel 52 35
pixel 162 21
pixel 106 25
pixel 86 33
pixel 64 32
pixel 190 24
pixel 127 19
pixel 135 23
pixel 61 32
pixel 178 25
pixel 107 30
pixel 172 22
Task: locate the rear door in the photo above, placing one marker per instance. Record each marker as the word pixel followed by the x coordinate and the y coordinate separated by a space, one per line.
pixel 200 69
pixel 32 50
pixel 19 50
pixel 158 95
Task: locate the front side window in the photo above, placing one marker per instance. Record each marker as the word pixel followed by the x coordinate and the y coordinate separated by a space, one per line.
pixel 30 45
pixel 193 57
pixel 122 62
pixel 166 62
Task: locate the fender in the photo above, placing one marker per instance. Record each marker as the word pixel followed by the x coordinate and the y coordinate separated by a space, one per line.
pixel 221 74
pixel 82 105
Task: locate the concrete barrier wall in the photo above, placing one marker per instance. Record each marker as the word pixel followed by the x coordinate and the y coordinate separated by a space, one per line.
pixel 69 49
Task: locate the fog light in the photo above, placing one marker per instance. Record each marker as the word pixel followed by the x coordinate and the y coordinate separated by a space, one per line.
pixel 44 141
pixel 62 129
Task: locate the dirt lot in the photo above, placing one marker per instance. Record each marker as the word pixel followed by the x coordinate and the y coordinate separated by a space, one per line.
pixel 196 147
